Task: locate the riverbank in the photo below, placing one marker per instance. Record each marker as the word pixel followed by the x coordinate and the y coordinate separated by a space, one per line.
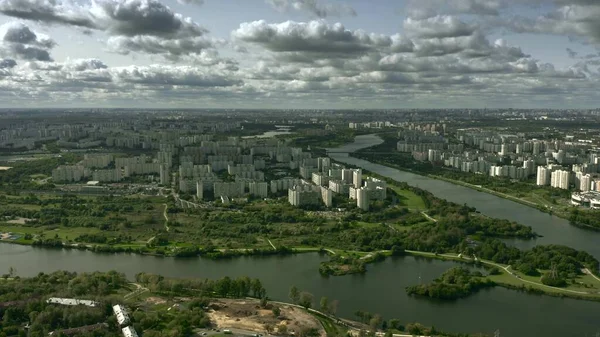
pixel 511 279
pixel 507 278
pixel 541 207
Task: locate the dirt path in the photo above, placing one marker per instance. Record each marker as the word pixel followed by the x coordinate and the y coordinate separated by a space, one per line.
pixel 166 217
pixel 587 271
pixel 428 217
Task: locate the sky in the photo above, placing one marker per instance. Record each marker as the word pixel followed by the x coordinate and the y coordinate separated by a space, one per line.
pixel 300 54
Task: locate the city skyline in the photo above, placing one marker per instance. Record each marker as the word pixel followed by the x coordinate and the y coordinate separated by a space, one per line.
pixel 300 54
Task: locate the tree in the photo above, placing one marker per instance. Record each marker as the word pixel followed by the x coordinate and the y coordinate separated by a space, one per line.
pixel 333 306
pixel 306 299
pixel 375 322
pixel 324 305
pixel 269 328
pixel 12 271
pixel 257 288
pixel 394 323
pixel 263 302
pixel 294 294
pixel 414 328
pixel 276 311
pixel 282 329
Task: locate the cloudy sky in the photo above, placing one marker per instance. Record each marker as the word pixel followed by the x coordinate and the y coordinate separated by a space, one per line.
pixel 300 53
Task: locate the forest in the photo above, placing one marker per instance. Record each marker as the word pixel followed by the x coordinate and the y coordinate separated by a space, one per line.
pixel 453 284
pixel 24 300
pixel 585 218
pixel 23 303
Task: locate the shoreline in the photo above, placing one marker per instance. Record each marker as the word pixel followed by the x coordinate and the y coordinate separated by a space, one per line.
pixel 534 288
pixel 488 191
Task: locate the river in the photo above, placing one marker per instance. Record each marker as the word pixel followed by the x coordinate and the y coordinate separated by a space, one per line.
pixel 554 230
pixel 381 289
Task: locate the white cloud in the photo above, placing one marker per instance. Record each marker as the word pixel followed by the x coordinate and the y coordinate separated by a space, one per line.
pixel 313 7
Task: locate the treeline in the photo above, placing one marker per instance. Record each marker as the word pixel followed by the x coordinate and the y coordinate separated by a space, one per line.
pixel 208 252
pixel 585 218
pixel 226 287
pixel 561 263
pixel 453 284
pixel 376 322
pixel 25 312
pixel 71 211
pixel 19 176
pixel 62 284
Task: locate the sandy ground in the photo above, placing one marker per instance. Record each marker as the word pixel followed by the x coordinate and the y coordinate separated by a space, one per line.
pixel 247 315
pixel 18 221
pixel 155 300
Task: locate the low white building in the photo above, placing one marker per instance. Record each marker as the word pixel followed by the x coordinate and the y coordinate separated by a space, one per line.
pixel 72 302
pixel 129 331
pixel 121 314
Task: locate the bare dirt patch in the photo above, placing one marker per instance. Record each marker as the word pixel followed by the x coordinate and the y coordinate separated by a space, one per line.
pixel 248 315
pixel 156 300
pixel 19 221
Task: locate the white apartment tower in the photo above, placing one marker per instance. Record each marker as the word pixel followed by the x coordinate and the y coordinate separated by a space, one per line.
pixel 560 179
pixel 543 176
pixel 362 199
pixel 357 178
pixel 585 183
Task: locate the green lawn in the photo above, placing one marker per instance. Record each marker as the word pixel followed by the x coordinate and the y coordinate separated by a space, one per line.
pixel 409 199
pixel 63 233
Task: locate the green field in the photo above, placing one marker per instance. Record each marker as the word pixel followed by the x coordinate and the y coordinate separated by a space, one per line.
pixel 409 199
